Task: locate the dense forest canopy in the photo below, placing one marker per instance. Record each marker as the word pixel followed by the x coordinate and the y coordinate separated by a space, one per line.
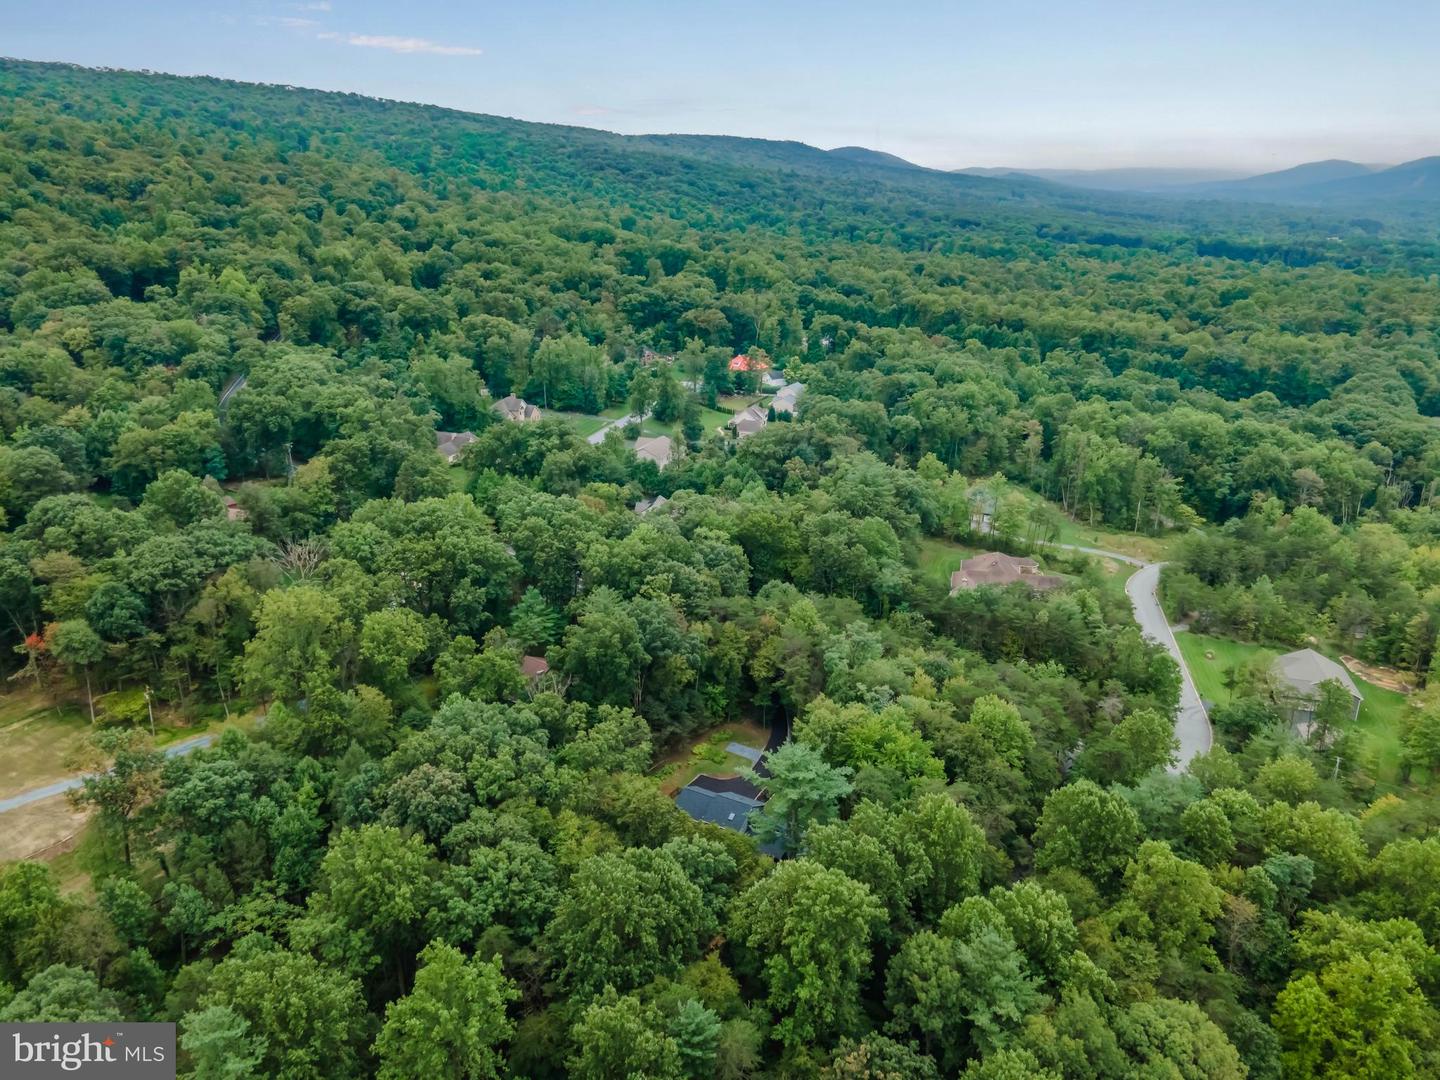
pixel 232 320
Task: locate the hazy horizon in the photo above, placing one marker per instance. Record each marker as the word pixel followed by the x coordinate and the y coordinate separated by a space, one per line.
pixel 1117 85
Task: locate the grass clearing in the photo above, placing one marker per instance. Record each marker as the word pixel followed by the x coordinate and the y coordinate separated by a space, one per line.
pixel 584 424
pixel 1211 659
pixel 938 559
pixel 38 738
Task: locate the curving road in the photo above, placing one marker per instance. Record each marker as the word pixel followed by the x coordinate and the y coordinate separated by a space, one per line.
pixel 1192 722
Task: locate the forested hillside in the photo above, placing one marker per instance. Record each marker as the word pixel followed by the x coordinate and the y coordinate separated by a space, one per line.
pixel 232 320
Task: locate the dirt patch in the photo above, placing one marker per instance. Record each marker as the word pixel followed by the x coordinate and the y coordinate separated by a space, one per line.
pixel 1384 677
pixel 41 831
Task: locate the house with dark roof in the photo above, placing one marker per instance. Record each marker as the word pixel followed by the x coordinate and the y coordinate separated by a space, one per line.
pixel 727 801
pixel 998 570
pixel 644 506
pixel 1298 677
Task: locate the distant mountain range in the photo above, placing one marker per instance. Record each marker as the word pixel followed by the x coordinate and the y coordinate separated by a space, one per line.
pixel 1133 179
pixel 1315 183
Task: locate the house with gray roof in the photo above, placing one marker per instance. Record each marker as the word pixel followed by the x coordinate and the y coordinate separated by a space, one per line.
pixel 727 801
pixel 1298 677
pixel 658 450
pixel 517 409
pixel 451 444
pixel 787 398
pixel 750 421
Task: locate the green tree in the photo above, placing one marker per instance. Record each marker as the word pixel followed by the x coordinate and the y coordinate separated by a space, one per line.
pixel 123 776
pixel 307 1020
pixel 805 930
pixel 624 920
pixel 299 635
pixel 1085 828
pixel 451 1023
pixel 801 790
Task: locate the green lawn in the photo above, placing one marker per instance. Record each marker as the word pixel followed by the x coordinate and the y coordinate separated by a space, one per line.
pixel 1382 719
pixel 586 425
pixel 706 753
pixel 1382 712
pixel 710 419
pixel 1210 659
pixel 459 477
pixel 939 559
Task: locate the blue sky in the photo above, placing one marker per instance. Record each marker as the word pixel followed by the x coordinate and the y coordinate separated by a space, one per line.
pixel 1083 83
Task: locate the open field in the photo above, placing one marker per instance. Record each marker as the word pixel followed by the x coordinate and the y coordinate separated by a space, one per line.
pixel 37 739
pixel 585 424
pixel 706 753
pixel 938 559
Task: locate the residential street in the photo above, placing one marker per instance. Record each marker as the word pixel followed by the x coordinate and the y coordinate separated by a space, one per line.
pixel 1192 724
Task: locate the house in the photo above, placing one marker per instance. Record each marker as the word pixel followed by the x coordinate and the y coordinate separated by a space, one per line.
pixel 748 363
pixel 533 667
pixel 644 506
pixel 749 422
pixel 725 801
pixel 657 450
pixel 787 397
pixel 451 444
pixel 772 380
pixel 1298 678
pixel 521 411
pixel 999 570
pixel 234 511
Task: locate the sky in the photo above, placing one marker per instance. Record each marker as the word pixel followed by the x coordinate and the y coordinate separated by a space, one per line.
pixel 1253 85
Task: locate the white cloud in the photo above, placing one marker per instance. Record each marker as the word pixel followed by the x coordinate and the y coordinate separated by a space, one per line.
pixel 402 44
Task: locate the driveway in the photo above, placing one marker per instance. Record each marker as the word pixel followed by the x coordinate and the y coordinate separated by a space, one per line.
pixel 595 438
pixel 1192 723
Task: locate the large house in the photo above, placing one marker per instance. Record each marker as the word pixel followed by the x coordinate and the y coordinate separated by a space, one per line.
pixel 1298 678
pixel 657 450
pixel 787 397
pixel 451 444
pixel 750 421
pixel 727 801
pixel 999 570
pixel 521 411
pixel 748 363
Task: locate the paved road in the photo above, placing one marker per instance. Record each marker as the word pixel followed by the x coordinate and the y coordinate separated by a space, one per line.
pixel 1192 723
pixel 595 438
pixel 233 387
pixel 25 798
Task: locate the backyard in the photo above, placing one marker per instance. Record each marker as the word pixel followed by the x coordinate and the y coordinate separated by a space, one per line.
pixel 706 753
pixel 1382 711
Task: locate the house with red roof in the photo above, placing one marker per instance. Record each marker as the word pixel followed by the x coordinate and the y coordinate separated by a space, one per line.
pixel 741 362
